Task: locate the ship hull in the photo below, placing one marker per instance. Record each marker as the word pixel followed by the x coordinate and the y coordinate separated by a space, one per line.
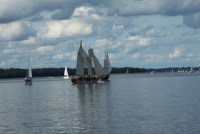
pixel 84 80
pixel 105 77
pixel 28 80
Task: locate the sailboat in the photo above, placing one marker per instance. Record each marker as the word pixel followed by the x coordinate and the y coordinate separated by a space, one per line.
pixel 88 68
pixel 28 79
pixel 66 75
pixel 127 71
pixel 191 70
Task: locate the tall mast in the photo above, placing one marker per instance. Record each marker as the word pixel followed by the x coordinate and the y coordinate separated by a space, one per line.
pixel 29 67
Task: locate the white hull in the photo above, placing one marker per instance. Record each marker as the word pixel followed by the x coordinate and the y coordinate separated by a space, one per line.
pixel 66 77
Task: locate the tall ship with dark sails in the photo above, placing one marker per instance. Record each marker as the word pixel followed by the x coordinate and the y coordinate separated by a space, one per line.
pixel 89 69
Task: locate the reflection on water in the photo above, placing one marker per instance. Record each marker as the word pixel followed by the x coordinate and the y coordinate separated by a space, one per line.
pixel 93 107
pixel 125 104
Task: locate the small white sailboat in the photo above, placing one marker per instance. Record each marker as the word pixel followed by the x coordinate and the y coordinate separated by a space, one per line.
pixel 28 79
pixel 191 70
pixel 153 72
pixel 66 75
pixel 127 71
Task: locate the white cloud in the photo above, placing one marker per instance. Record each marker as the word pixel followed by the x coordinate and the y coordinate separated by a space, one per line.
pixel 136 56
pixel 117 29
pixel 102 43
pixel 155 33
pixel 15 31
pixel 86 12
pixel 65 28
pixel 177 53
pixel 58 57
pixel 44 49
pixel 153 58
pixel 7 63
pixel 139 41
pixel 29 41
pixel 9 51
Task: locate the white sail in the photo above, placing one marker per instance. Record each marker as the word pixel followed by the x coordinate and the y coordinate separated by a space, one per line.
pixel 107 65
pixel 29 67
pixel 97 66
pixel 66 75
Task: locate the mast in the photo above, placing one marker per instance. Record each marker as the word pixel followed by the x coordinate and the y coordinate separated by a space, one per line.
pixel 29 68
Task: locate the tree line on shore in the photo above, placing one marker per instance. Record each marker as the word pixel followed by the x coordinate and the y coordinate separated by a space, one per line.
pixel 46 72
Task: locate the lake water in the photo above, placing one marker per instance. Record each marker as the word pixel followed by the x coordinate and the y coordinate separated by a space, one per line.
pixel 127 104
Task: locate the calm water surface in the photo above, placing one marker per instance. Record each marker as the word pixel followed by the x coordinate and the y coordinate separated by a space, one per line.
pixel 127 104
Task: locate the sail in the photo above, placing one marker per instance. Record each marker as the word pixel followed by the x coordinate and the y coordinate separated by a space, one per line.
pixel 107 65
pixel 97 66
pixel 89 66
pixel 81 61
pixel 29 67
pixel 66 72
pixel 79 65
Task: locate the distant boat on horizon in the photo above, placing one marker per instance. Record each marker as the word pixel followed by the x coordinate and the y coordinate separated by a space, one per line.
pixel 28 79
pixel 66 75
pixel 127 71
pixel 152 72
pixel 191 70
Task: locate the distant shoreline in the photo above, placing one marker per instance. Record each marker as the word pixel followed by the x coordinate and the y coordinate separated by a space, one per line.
pixel 58 72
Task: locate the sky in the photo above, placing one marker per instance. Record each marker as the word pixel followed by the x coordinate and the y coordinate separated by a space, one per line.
pixel 136 33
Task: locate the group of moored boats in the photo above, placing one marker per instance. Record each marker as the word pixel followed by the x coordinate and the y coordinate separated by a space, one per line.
pixel 88 68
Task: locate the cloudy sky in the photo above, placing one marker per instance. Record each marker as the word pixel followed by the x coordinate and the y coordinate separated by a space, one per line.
pixel 136 33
